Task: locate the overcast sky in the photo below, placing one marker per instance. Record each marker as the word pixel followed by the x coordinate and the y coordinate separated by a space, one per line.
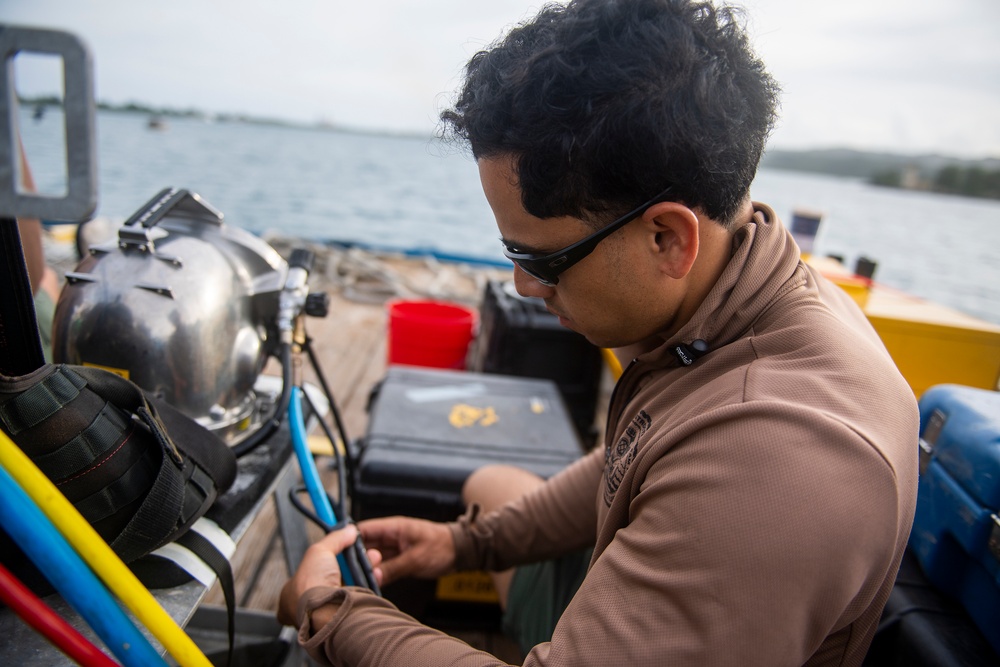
pixel 910 76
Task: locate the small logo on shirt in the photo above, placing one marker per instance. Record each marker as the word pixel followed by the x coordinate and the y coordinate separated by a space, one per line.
pixel 618 458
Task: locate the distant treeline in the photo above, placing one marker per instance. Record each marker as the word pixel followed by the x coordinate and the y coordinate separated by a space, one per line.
pixel 165 112
pixel 222 117
pixel 972 181
pixel 937 173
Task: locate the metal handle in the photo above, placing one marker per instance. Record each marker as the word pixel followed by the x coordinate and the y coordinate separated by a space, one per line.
pixel 78 83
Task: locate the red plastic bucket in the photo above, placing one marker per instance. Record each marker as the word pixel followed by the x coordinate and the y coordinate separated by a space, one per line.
pixel 430 333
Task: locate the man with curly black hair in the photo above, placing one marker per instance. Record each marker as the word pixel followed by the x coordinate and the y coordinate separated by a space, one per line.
pixel 757 482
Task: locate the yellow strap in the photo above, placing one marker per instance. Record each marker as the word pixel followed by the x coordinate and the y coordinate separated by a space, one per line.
pixel 99 556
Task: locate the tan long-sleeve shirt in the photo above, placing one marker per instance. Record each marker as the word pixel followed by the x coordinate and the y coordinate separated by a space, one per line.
pixel 748 509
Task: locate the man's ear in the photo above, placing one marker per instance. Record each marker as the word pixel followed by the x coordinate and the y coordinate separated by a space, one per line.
pixel 673 232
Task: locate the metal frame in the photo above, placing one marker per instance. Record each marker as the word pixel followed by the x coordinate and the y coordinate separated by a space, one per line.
pixel 80 200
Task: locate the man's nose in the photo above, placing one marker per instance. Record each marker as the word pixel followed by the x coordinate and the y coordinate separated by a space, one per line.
pixel 528 286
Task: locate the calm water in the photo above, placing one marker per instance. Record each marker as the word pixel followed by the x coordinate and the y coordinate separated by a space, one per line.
pixel 417 193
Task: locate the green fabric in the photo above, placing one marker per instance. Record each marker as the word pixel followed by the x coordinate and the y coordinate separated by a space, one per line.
pixel 45 311
pixel 539 594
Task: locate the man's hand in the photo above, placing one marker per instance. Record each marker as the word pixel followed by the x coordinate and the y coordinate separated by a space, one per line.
pixel 319 567
pixel 409 548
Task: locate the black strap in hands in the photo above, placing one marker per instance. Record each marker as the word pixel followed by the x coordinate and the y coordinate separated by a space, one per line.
pixel 356 555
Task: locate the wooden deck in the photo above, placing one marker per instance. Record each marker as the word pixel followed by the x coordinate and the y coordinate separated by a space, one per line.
pixel 351 347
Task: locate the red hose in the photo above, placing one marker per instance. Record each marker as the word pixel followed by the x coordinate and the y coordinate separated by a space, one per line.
pixel 47 623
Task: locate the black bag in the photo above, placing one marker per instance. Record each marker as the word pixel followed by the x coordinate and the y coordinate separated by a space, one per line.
pixel 137 469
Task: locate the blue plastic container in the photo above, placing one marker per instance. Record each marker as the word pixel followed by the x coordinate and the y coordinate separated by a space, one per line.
pixel 956 530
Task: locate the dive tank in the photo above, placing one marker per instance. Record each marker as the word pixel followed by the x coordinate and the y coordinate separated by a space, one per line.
pixel 183 305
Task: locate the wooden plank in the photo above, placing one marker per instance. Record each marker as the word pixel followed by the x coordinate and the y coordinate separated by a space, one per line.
pixel 272 576
pixel 252 551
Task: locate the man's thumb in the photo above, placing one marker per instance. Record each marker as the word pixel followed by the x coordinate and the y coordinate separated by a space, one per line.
pixel 339 540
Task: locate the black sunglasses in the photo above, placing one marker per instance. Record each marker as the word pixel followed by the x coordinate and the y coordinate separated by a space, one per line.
pixel 546 268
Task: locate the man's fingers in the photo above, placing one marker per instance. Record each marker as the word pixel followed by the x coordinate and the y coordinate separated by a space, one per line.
pixel 390 571
pixel 409 547
pixel 380 531
pixel 339 540
pixel 319 567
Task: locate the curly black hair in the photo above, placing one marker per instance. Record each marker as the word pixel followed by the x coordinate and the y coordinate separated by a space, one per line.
pixel 604 103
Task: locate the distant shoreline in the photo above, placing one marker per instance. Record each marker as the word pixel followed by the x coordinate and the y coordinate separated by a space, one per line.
pixel 930 173
pixel 934 173
pixel 221 117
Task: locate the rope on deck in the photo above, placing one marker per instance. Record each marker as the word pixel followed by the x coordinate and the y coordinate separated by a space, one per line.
pixel 374 277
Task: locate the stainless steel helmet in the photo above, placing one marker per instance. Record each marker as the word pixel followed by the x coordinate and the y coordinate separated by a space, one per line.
pixel 182 304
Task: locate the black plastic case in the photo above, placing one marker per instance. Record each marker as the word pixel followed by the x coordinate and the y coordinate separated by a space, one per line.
pixel 429 429
pixel 518 336
pixel 923 627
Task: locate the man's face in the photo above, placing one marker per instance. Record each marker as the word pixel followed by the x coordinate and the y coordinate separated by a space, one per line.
pixel 606 296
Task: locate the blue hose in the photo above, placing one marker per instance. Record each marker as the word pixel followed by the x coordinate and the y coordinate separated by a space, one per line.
pixel 310 475
pixel 49 551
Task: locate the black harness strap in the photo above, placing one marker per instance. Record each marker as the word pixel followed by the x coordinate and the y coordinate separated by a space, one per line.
pixel 46 398
pixel 90 445
pixel 156 518
pixel 126 489
pixel 20 345
pixel 207 552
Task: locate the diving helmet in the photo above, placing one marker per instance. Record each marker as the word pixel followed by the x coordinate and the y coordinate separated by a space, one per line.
pixel 181 304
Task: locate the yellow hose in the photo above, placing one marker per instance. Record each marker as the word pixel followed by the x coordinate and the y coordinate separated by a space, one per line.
pixel 99 556
pixel 612 362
